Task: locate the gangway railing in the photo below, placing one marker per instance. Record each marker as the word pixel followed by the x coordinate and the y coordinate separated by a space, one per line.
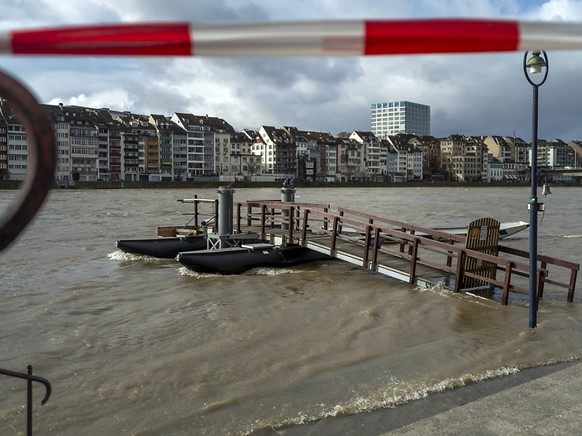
pixel 376 236
pixel 270 214
pixel 544 261
pixel 196 220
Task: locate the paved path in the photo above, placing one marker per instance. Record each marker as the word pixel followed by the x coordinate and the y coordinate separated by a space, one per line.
pixel 549 405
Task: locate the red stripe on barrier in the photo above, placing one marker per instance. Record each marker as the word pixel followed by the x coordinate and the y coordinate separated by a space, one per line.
pixel 440 36
pixel 171 39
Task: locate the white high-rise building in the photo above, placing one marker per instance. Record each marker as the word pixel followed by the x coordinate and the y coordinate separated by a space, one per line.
pixel 394 117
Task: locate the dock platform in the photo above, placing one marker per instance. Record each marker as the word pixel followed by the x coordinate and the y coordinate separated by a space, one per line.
pixel 420 256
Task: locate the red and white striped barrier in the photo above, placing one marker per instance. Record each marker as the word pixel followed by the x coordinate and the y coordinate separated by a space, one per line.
pixel 326 38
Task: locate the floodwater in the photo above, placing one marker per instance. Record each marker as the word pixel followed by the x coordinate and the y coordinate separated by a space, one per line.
pixel 134 345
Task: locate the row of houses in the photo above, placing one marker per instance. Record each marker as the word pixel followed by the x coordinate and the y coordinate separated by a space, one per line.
pixel 102 144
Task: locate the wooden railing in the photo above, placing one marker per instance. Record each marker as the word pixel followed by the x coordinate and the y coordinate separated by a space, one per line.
pixel 419 245
pixel 211 216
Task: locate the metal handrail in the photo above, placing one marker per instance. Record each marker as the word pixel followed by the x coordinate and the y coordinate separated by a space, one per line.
pixel 30 378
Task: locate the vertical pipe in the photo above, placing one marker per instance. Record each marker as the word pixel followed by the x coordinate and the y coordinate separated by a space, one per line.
pixel 225 210
pixel 287 196
pixel 195 212
pixel 533 214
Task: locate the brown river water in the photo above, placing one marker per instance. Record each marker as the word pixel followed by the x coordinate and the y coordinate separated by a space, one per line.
pixel 135 345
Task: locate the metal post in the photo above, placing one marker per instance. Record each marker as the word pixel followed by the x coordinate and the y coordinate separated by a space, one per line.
pixel 537 63
pixel 287 196
pixel 533 215
pixel 225 205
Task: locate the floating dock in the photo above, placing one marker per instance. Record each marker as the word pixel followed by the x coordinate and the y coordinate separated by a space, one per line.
pixel 420 256
pixel 472 262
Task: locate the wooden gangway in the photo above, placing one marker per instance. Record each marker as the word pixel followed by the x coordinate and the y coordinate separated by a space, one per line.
pixel 420 256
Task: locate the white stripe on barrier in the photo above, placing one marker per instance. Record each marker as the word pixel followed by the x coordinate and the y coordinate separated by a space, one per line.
pixel 5 42
pixel 331 38
pixel 549 36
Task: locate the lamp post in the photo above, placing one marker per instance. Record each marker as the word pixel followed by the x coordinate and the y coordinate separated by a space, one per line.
pixel 536 64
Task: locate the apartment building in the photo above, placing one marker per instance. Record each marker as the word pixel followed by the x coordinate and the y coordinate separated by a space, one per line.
pixel 350 153
pixel 431 156
pixel 316 154
pixel 4 175
pixel 16 144
pixel 199 137
pixel 208 144
pixel 243 163
pixel 101 144
pixel 162 125
pixel 464 159
pixel 374 154
pixel 179 152
pixel 405 157
pixel 554 153
pixel 392 117
pixel 327 146
pixel 577 147
pixel 278 151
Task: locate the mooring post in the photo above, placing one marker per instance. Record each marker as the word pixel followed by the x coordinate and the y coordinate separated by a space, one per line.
pixel 287 196
pixel 225 210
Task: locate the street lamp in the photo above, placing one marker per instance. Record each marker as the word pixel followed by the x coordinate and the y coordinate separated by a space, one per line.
pixel 536 64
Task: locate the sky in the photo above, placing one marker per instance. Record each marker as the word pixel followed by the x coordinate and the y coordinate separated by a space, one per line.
pixel 472 94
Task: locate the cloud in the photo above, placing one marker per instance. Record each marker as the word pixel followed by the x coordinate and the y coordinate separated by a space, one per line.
pixel 473 93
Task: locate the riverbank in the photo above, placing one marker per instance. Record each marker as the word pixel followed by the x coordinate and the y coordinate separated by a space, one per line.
pixel 494 406
pixel 13 184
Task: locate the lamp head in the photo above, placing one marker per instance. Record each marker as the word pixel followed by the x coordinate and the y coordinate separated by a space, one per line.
pixel 536 63
pixel 546 189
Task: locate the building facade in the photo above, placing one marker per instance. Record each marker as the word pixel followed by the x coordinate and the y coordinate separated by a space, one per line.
pixel 390 118
pixel 107 145
pixel 3 149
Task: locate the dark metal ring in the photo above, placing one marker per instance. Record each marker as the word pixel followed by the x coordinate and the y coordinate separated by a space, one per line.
pixel 41 159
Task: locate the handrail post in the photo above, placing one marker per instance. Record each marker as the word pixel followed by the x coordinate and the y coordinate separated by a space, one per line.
pixel 291 224
pixel 334 234
pixel 263 217
pixel 376 248
pixel 540 275
pixel 541 283
pixel 507 283
pixel 216 215
pixel 413 233
pixel 367 244
pixel 304 229
pixel 249 214
pixel 238 217
pixel 459 278
pixel 297 217
pixel 403 243
pixel 572 286
pixel 449 257
pixel 195 212
pixel 414 257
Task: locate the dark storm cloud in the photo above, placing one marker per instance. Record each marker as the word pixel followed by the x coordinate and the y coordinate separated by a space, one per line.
pixel 314 80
